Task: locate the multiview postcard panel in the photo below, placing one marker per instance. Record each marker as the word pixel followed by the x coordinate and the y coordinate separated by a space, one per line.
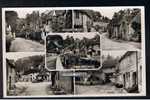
pixel 74 51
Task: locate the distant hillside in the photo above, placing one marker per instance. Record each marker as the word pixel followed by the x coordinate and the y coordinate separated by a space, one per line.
pixel 27 63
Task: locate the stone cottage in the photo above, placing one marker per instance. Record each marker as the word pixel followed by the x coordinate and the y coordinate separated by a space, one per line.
pixel 129 71
pixel 78 21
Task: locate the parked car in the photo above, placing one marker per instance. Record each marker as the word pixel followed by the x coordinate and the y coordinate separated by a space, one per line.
pixel 38 79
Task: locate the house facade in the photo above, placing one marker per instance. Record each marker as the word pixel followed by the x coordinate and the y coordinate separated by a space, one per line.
pixel 129 71
pixel 68 21
pixel 64 81
pixel 78 21
pixel 11 77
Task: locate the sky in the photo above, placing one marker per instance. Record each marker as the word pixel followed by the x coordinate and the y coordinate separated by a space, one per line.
pixel 105 11
pixel 114 53
pixel 16 56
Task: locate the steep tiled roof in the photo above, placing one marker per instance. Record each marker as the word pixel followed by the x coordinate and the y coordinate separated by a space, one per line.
pixel 126 54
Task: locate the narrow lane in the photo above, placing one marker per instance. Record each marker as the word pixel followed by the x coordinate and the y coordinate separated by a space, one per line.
pixel 23 45
pixel 108 44
pixel 32 89
pixel 97 89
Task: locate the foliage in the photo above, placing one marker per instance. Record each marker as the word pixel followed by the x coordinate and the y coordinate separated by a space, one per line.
pixel 58 23
pixel 96 16
pixel 11 19
pixel 126 17
pixel 33 21
pixel 26 63
pixel 110 62
pixel 105 19
pixel 85 43
pixel 136 26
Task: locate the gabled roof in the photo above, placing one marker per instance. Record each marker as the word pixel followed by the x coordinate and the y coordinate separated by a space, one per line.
pixel 126 54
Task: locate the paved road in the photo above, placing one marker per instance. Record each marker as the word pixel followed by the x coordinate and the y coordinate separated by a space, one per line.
pixel 97 89
pixel 108 44
pixel 59 65
pixel 33 89
pixel 23 45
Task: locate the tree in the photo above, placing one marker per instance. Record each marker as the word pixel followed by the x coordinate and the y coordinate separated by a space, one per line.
pixel 137 27
pixel 20 25
pixel 11 19
pixel 97 16
pixel 33 20
pixel 58 23
pixel 94 15
pixel 105 19
pixel 25 64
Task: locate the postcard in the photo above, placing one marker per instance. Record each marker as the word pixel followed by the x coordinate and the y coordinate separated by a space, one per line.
pixel 73 51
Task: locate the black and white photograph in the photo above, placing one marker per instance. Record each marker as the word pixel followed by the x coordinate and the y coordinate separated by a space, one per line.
pixel 27 76
pixel 123 30
pixel 120 29
pixel 73 51
pixel 24 31
pixel 121 73
pixel 26 73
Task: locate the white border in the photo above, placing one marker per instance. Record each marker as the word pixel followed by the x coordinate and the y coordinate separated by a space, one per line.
pixel 143 93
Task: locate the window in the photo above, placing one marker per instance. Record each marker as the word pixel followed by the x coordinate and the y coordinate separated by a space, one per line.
pixel 140 75
pixel 77 15
pixel 134 78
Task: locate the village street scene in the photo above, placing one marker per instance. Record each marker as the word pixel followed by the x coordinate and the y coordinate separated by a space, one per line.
pixel 27 76
pixel 122 31
pixel 73 52
pixel 121 73
pixel 23 34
